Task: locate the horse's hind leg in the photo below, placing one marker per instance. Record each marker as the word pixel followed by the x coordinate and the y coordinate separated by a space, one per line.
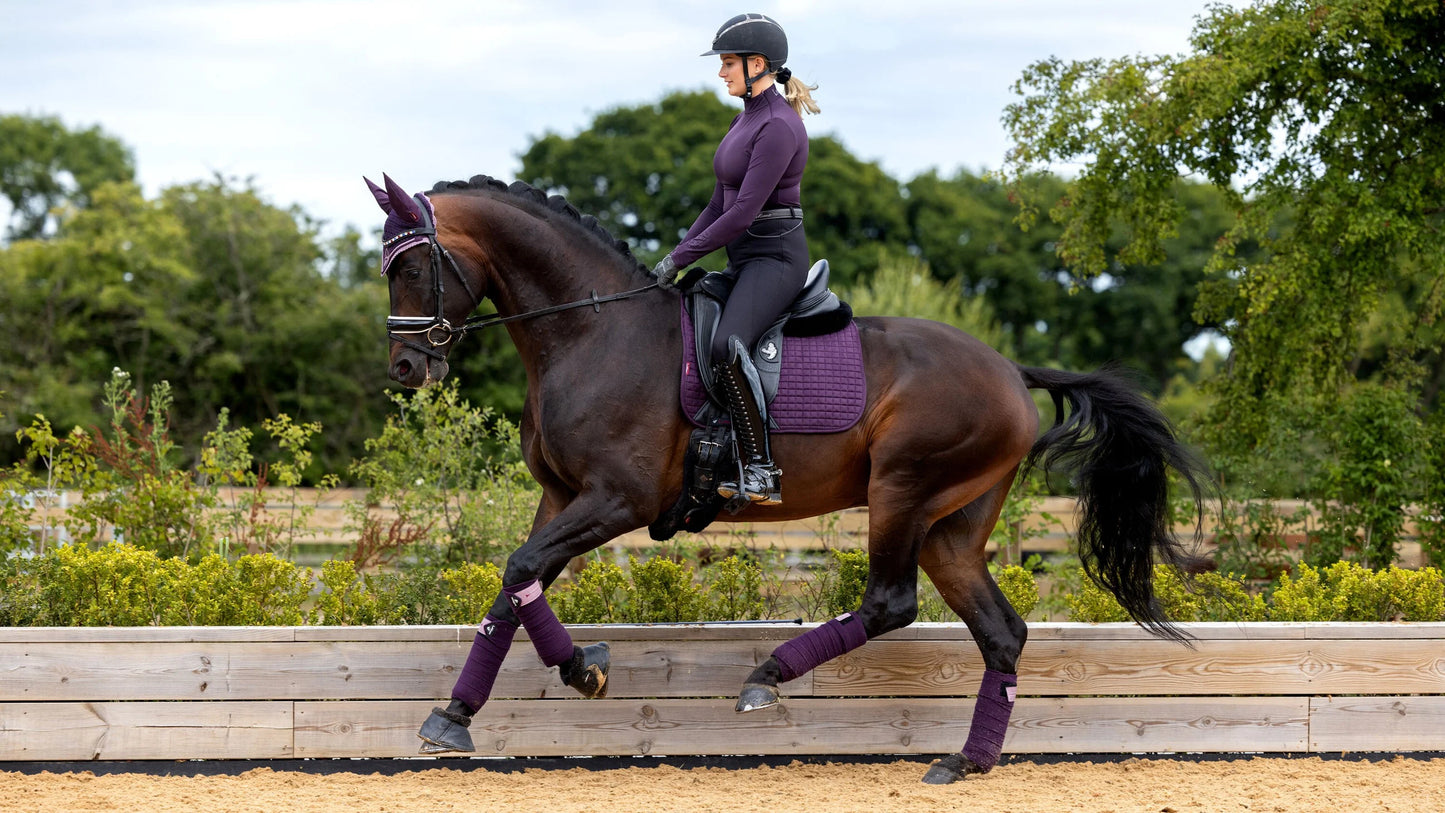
pixel 953 558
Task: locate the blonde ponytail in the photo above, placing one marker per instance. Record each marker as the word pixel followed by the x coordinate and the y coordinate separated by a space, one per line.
pixel 800 96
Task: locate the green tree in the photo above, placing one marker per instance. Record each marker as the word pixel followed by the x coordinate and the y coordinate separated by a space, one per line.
pixel 1321 124
pixel 905 288
pixel 208 285
pixel 101 294
pixel 963 227
pixel 645 173
pixel 44 164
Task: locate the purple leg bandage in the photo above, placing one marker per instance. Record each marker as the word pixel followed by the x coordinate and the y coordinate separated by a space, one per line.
pixel 820 644
pixel 990 718
pixel 489 649
pixel 554 645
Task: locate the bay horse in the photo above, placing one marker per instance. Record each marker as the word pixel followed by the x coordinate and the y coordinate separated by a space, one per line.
pixel 947 425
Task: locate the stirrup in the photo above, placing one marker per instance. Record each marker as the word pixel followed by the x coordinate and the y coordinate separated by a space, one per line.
pixel 760 483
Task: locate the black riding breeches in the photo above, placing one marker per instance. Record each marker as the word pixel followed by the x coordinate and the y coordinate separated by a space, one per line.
pixel 771 259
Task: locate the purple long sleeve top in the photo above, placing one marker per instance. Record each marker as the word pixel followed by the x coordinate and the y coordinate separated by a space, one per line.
pixel 758 165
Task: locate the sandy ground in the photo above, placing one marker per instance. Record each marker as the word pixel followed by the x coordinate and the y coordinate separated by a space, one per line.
pixel 1155 786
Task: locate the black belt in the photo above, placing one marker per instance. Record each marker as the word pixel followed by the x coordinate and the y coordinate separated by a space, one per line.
pixel 785 213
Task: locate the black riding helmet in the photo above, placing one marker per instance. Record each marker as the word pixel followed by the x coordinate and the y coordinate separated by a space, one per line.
pixel 748 34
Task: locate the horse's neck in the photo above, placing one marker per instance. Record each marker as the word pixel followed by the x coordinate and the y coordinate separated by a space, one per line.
pixel 537 265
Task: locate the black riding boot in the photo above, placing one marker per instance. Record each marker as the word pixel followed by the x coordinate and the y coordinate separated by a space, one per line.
pixel 747 410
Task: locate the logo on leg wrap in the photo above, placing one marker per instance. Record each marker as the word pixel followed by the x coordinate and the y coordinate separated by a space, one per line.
pixel 526 594
pixel 1008 691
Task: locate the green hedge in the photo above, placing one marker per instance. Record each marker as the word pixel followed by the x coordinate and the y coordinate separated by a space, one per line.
pixel 123 585
pixel 1343 591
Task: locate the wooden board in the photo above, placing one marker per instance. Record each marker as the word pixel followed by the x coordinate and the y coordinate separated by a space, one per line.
pixel 751 631
pixel 263 730
pixel 354 670
pixel 1340 724
pixel 87 731
pixel 700 665
pixel 1151 667
pixel 812 726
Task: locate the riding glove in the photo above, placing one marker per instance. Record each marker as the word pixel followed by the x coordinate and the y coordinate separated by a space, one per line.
pixel 664 271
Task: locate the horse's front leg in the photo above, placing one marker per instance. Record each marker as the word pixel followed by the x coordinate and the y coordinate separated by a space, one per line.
pixel 586 523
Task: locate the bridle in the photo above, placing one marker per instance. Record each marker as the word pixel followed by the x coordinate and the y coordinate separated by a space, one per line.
pixel 437 329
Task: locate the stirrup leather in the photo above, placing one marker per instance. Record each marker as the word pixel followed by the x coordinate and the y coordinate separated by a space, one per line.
pixel 758 477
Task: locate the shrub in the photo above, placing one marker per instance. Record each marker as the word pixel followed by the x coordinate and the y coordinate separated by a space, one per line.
pixel 1346 591
pixel 1018 586
pixel 454 475
pixel 471 589
pixel 1377 459
pixel 844 591
pixel 664 592
pixel 734 589
pixel 345 598
pixel 1206 597
pixel 600 593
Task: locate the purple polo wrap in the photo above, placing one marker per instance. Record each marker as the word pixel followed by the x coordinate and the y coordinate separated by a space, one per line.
pixel 554 645
pixel 489 649
pixel 990 718
pixel 822 387
pixel 819 645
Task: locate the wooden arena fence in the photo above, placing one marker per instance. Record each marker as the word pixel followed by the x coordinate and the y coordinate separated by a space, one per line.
pixel 1048 529
pixel 320 692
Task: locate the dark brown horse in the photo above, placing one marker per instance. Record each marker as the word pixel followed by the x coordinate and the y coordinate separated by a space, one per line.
pixel 947 425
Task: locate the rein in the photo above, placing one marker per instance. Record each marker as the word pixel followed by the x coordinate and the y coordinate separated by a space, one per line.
pixel 439 331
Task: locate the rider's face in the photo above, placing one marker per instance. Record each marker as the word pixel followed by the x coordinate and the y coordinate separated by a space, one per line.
pixel 731 72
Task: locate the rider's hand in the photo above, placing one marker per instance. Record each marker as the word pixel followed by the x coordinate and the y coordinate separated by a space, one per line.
pixel 664 271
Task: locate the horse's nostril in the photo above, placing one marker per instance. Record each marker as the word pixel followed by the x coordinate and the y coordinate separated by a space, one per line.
pixel 403 369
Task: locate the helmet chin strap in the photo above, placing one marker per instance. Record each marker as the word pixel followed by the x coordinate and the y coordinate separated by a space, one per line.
pixel 749 78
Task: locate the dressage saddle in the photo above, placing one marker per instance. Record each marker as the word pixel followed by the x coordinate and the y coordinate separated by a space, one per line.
pixel 815 311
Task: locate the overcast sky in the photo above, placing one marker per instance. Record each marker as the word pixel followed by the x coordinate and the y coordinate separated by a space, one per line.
pixel 306 96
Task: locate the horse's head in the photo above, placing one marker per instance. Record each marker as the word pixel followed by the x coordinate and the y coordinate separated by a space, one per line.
pixel 420 273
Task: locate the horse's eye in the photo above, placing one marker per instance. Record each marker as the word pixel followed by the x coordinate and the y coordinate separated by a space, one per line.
pixel 413 273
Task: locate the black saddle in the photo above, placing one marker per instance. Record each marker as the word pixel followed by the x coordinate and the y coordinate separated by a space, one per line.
pixel 816 311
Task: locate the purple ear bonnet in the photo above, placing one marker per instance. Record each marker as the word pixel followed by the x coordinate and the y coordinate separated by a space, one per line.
pixel 410 220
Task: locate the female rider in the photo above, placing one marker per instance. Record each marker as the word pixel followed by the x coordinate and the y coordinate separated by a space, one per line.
pixel 756 213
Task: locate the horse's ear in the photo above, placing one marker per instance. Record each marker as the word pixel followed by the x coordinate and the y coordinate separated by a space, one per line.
pixel 401 202
pixel 382 199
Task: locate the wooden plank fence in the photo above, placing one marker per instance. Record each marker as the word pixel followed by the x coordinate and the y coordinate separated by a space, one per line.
pixel 1049 529
pixel 327 692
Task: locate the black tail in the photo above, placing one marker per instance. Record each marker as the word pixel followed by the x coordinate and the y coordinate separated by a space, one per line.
pixel 1121 448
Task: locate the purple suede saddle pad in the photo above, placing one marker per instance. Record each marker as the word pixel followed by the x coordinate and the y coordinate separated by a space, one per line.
pixel 822 388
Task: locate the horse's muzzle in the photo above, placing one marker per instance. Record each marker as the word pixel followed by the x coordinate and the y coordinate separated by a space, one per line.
pixel 418 372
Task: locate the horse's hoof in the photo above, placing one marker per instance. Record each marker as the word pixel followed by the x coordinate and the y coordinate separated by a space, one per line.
pixel 757 696
pixel 587 673
pixel 950 769
pixel 445 732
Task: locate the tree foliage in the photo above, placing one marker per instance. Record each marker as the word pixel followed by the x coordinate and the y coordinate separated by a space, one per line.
pixel 1322 126
pixel 207 286
pixel 646 173
pixel 44 164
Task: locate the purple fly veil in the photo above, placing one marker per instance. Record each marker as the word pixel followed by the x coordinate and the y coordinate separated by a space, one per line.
pixel 403 214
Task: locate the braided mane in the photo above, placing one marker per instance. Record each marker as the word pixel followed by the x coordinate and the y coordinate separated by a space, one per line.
pixel 544 205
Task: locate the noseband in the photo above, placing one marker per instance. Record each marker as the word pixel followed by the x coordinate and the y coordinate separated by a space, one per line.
pixel 438 331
